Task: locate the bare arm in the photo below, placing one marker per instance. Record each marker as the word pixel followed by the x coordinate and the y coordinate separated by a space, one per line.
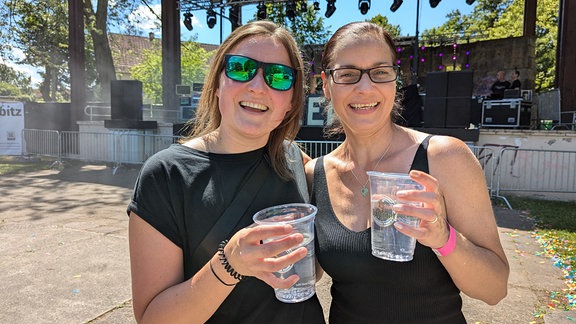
pixel 458 195
pixel 160 293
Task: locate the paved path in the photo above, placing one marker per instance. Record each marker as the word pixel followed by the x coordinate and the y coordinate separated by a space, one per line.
pixel 64 253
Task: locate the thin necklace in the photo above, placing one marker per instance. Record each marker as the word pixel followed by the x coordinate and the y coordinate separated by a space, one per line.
pixel 364 189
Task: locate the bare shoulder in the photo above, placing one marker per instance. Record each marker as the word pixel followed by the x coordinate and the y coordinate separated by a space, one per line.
pixel 309 166
pixel 441 146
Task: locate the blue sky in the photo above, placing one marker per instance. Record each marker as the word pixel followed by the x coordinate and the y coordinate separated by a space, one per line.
pixel 346 11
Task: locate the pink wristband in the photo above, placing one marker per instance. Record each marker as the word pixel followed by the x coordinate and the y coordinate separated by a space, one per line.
pixel 449 246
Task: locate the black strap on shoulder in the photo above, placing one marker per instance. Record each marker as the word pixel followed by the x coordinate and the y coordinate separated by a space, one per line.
pixel 420 162
pixel 231 216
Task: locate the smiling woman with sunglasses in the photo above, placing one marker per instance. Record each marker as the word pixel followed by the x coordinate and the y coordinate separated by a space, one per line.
pixel 194 255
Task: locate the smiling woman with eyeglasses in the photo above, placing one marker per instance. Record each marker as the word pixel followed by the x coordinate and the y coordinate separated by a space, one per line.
pixel 194 257
pixel 458 248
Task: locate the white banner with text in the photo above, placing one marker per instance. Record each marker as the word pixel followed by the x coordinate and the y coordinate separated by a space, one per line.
pixel 11 126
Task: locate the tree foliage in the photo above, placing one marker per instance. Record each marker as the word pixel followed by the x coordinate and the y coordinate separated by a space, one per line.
pixel 39 29
pixel 14 84
pixel 193 68
pixel 503 19
pixel 306 27
pixel 380 20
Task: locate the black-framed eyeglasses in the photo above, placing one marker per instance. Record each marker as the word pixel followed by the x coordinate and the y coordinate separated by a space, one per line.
pixel 379 74
pixel 243 69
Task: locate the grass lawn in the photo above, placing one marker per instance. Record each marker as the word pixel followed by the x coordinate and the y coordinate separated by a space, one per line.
pixel 17 164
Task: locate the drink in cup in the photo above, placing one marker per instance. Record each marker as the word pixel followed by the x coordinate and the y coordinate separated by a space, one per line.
pixel 301 217
pixel 387 242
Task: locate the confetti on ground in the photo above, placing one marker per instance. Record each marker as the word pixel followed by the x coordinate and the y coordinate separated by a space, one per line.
pixel 561 253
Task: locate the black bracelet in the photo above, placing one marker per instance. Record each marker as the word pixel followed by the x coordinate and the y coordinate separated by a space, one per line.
pixel 215 275
pixel 227 265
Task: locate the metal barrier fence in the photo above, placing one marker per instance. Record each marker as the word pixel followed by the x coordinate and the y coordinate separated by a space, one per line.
pixel 41 142
pixel 524 170
pixel 149 112
pixel 508 170
pixel 118 147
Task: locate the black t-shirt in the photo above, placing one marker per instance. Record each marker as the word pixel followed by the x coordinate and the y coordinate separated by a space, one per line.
pixel 516 84
pixel 498 89
pixel 182 192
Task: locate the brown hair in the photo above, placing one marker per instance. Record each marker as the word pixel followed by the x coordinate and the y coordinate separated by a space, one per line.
pixel 208 117
pixel 356 30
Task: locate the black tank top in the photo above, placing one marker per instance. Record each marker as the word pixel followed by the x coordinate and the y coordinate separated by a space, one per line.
pixel 366 289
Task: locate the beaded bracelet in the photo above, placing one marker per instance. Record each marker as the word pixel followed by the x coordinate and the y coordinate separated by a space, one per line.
pixel 226 264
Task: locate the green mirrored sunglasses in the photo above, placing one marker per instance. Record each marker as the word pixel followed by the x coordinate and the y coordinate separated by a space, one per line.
pixel 243 69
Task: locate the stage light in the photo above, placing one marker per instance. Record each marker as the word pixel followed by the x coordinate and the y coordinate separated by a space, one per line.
pixel 330 8
pixel 188 21
pixel 316 5
pixel 290 10
pixel 363 6
pixel 211 18
pixel 261 11
pixel 434 3
pixel 395 5
pixel 470 2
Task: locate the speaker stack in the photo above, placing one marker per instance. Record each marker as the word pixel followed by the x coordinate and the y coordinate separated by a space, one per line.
pixel 126 106
pixel 448 99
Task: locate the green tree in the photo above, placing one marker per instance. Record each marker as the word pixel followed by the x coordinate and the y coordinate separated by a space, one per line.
pixel 36 27
pixel 380 20
pixel 306 26
pixel 40 29
pixel 14 84
pixel 194 65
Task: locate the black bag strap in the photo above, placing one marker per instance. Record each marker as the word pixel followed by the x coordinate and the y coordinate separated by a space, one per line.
pixel 231 216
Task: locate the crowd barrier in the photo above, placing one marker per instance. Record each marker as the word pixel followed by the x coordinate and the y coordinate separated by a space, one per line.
pixel 506 169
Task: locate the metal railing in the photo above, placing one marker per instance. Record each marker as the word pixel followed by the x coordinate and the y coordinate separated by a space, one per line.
pixel 545 171
pixel 149 112
pixel 510 169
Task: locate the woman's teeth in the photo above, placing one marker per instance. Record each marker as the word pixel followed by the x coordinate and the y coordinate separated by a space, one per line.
pixel 364 106
pixel 253 105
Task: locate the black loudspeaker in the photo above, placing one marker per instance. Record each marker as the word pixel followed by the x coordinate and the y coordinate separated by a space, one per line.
pixel 411 107
pixel 448 96
pixel 435 112
pixel 458 112
pixel 459 93
pixel 436 83
pixel 126 100
pixel 460 84
pixel 435 104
